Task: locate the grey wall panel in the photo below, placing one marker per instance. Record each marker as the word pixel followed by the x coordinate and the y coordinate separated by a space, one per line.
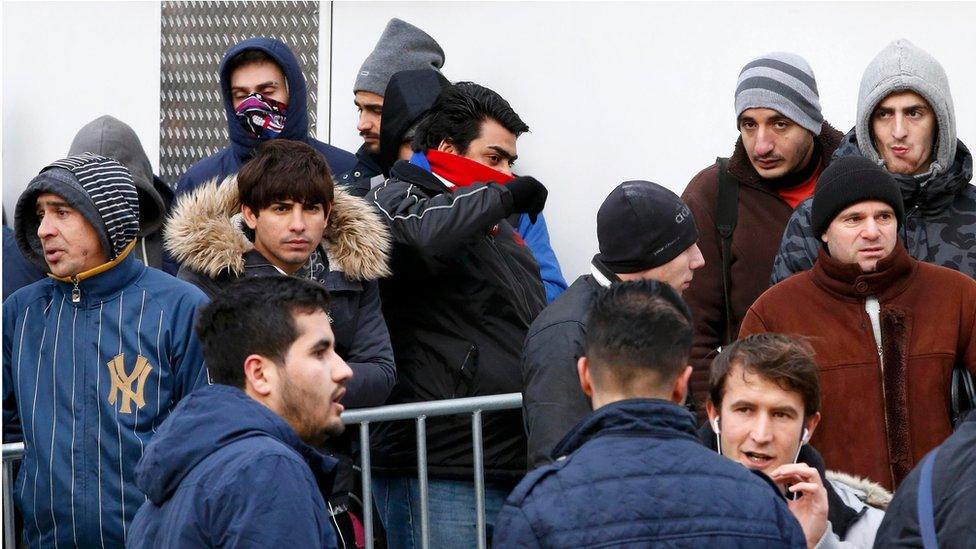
pixel 195 36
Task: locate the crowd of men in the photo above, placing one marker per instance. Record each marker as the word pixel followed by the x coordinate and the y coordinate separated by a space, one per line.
pixel 781 357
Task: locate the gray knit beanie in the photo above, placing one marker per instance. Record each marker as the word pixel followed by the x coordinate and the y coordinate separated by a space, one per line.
pixel 401 47
pixel 100 188
pixel 904 66
pixel 783 82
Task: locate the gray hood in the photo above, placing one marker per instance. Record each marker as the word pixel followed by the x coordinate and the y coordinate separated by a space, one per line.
pixel 108 136
pixel 904 66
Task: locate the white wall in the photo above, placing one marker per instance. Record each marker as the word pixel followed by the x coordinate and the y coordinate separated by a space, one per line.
pixel 67 63
pixel 617 91
pixel 612 91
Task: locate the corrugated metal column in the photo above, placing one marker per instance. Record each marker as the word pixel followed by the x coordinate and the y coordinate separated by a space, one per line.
pixel 479 476
pixel 367 483
pixel 422 478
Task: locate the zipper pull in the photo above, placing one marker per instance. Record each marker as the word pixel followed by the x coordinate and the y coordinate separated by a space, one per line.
pixel 76 291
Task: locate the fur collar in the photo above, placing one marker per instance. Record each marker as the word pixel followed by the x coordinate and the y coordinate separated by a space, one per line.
pixel 874 494
pixel 203 233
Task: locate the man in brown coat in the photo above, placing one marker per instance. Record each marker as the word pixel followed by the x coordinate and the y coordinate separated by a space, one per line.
pixel 887 329
pixel 783 146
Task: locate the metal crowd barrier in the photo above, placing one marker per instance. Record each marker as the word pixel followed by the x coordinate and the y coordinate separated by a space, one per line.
pixel 12 452
pixel 419 412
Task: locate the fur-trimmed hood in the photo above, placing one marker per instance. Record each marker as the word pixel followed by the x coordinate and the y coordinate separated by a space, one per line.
pixel 875 495
pixel 204 233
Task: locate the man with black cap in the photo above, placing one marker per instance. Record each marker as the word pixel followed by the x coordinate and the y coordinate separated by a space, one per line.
pixel 645 232
pixel 94 357
pixel 401 47
pixel 742 203
pixel 887 329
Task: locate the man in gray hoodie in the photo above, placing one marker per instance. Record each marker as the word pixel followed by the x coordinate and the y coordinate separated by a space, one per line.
pixel 113 138
pixel 907 124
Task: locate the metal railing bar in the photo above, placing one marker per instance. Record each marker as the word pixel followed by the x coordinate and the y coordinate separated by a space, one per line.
pixel 367 483
pixel 422 478
pixel 479 476
pixel 12 451
pixel 432 408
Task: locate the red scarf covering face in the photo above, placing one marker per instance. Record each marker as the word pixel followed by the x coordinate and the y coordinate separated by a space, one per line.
pixel 463 171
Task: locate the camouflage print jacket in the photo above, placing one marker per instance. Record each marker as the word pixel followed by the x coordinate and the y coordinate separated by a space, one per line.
pixel 940 220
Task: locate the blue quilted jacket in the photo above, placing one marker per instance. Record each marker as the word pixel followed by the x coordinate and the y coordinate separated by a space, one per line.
pixel 634 474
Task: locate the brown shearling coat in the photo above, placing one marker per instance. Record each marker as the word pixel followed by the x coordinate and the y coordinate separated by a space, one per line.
pixel 878 421
pixel 762 218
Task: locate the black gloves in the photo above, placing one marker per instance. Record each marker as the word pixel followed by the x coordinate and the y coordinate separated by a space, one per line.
pixel 528 196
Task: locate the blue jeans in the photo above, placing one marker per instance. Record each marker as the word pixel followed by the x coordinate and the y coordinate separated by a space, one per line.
pixel 453 522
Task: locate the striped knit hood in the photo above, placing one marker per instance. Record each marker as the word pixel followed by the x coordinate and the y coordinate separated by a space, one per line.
pixel 98 187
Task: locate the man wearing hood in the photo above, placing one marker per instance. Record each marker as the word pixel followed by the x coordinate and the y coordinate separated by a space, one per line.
pixel 113 138
pixel 281 215
pixel 401 47
pixel 741 204
pixel 906 123
pixel 234 465
pixel 264 95
pixel 94 358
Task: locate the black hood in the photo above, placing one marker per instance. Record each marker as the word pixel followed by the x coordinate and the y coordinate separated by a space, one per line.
pixel 409 95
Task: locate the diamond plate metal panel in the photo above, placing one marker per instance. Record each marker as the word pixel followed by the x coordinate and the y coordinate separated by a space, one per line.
pixel 195 36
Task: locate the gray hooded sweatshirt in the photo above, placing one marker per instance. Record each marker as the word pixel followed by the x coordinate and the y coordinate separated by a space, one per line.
pixel 108 136
pixel 940 205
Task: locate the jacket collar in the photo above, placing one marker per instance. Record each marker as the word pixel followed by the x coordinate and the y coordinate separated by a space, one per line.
pixel 742 169
pixel 204 233
pixel 637 416
pixel 848 281
pixel 418 175
pixel 105 281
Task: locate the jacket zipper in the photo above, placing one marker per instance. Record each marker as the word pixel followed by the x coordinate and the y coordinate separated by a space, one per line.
pixel 76 291
pixel 873 307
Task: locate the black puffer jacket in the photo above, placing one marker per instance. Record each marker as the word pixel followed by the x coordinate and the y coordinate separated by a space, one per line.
pixel 463 293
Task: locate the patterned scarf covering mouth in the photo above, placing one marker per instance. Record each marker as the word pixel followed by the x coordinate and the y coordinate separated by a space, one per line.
pixel 262 116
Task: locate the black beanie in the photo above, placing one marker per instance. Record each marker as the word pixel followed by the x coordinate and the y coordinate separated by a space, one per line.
pixel 847 181
pixel 642 225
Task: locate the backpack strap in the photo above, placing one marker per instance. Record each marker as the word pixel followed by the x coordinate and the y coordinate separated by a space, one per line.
pixel 962 394
pixel 726 217
pixel 925 508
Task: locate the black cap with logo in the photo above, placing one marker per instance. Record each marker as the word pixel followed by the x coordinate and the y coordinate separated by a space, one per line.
pixel 642 225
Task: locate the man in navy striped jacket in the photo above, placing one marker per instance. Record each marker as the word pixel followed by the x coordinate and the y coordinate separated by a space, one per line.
pixel 94 357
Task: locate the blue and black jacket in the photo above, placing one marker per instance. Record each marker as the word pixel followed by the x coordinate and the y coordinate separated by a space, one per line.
pixel 86 385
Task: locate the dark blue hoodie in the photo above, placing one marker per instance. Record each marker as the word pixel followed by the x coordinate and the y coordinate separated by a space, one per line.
pixel 229 160
pixel 226 471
